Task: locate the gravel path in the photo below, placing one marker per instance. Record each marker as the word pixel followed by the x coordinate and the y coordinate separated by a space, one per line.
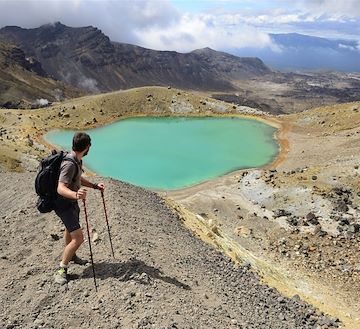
pixel 162 277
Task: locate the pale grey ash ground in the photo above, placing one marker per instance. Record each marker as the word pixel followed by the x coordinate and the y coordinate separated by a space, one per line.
pixel 163 276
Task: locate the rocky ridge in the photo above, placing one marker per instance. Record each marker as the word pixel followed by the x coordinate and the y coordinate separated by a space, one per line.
pixel 86 58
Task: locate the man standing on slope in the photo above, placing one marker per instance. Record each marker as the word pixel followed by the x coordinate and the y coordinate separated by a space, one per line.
pixel 66 206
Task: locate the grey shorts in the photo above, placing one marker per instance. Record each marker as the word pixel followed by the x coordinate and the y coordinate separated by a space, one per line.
pixel 69 213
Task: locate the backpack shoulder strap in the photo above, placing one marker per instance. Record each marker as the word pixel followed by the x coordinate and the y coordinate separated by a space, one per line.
pixel 67 158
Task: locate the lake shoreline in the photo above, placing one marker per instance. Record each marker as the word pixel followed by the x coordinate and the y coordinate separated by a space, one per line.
pixel 29 126
pixel 219 124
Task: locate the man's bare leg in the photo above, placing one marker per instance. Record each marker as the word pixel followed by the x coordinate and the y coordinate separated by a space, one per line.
pixel 76 239
pixel 67 237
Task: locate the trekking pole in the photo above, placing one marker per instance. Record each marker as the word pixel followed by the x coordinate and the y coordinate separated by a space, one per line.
pixel 107 223
pixel 88 233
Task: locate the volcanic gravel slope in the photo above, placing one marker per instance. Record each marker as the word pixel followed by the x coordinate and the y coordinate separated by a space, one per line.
pixel 162 277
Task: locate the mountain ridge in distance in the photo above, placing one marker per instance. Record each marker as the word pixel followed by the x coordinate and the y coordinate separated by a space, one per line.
pixel 85 57
pixel 304 52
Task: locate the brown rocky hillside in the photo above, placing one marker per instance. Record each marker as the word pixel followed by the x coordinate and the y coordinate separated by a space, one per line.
pixel 23 80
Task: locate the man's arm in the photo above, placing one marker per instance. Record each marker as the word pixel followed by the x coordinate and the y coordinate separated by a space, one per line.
pixel 85 182
pixel 64 191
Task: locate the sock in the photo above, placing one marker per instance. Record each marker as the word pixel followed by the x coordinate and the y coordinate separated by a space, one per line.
pixel 63 265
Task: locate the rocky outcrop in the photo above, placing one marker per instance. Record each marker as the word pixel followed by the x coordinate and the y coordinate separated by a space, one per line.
pixel 14 56
pixel 24 82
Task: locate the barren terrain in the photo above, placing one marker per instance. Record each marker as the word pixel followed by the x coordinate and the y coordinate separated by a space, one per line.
pixel 162 277
pixel 294 223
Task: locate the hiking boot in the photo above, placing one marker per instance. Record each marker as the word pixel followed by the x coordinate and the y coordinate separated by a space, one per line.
pixel 77 260
pixel 60 276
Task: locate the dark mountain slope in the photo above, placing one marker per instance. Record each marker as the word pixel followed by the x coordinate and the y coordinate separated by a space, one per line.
pixel 23 80
pixel 86 58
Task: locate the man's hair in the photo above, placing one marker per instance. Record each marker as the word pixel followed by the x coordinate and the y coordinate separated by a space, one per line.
pixel 80 142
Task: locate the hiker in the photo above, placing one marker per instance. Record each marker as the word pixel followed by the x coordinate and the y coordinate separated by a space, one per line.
pixel 66 205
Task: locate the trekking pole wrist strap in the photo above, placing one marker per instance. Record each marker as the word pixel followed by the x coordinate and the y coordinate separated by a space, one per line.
pixel 95 186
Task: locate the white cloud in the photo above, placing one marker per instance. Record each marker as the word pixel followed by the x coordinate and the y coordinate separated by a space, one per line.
pixel 346 47
pixel 350 8
pixel 42 102
pixel 199 31
pixel 149 23
pixel 304 21
pixel 117 19
pixel 158 24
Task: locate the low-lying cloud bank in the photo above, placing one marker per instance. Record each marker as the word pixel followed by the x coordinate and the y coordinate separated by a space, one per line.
pixel 164 25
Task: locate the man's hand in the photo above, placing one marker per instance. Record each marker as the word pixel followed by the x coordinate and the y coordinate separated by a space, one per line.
pixel 81 194
pixel 101 187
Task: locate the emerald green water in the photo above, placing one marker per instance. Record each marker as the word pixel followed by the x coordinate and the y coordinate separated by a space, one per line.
pixel 171 153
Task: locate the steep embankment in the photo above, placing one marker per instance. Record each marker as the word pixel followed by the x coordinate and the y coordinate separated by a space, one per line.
pixel 162 276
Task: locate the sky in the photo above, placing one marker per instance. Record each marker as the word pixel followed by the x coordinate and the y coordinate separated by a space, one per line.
pixel 185 25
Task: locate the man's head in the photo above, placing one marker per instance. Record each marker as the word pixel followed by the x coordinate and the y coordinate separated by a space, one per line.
pixel 81 142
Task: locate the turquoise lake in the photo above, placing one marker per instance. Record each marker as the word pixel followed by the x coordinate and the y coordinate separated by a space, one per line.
pixel 172 153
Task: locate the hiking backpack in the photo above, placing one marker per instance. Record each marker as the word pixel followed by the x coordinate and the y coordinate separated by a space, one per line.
pixel 47 179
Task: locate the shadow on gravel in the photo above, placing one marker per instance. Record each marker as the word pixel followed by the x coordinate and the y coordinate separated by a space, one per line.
pixel 132 269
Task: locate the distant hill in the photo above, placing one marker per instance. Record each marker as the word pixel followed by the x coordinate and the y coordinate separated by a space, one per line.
pixel 297 51
pixel 86 58
pixel 23 82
